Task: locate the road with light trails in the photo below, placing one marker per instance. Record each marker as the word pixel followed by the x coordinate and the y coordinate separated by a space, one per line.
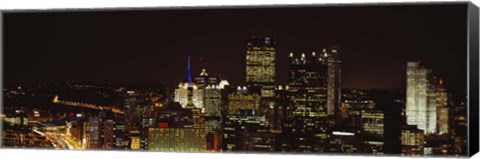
pixel 71 143
pixel 57 142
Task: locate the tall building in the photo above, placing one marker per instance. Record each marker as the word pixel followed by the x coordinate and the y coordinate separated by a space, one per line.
pixel 308 84
pixel 107 136
pixel 442 108
pixel 212 99
pixel 421 108
pixel 138 118
pixel 305 126
pixel 189 95
pixel 260 65
pixel 197 94
pixel 133 114
pixel 203 93
pixel 79 130
pixel 94 129
pixel 334 80
pixel 278 114
pixel 119 134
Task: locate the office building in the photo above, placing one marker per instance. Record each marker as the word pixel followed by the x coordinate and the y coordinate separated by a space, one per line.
pixel 373 131
pixel 305 126
pixel 412 140
pixel 421 109
pixel 442 108
pixel 177 139
pixel 243 101
pixel 243 123
pixel 94 129
pixel 333 80
pixel 344 139
pixel 260 65
pixel 257 142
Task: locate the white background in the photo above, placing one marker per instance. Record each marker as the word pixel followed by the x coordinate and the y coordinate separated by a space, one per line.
pixel 98 4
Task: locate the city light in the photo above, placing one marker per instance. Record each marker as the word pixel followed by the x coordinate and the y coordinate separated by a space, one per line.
pixel 310 112
pixel 343 133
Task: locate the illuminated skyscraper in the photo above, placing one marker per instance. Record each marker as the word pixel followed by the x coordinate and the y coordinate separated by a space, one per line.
pixel 211 99
pixel 202 95
pixel 189 96
pixel 305 126
pixel 188 93
pixel 442 108
pixel 308 82
pixel 334 80
pixel 201 92
pixel 421 106
pixel 260 65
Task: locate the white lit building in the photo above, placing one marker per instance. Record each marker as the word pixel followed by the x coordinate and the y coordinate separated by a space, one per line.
pixel 421 109
pixel 189 96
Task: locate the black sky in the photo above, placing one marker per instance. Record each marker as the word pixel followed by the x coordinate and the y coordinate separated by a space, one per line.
pixel 151 46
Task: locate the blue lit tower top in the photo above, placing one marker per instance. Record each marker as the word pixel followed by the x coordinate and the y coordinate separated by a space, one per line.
pixel 189 73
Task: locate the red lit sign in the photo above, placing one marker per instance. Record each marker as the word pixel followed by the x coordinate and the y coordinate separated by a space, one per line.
pixel 163 125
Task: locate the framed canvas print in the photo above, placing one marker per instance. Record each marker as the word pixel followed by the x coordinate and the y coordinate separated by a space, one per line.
pixel 363 79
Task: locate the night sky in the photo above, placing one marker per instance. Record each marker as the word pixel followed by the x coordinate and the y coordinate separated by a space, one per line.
pixel 151 46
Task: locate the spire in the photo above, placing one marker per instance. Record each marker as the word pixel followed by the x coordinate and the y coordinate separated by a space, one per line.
pixel 189 72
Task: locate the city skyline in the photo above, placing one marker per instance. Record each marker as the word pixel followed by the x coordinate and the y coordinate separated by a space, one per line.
pixel 79 47
pixel 184 84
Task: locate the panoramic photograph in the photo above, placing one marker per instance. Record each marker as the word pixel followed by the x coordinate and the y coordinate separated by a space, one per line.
pixel 366 80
